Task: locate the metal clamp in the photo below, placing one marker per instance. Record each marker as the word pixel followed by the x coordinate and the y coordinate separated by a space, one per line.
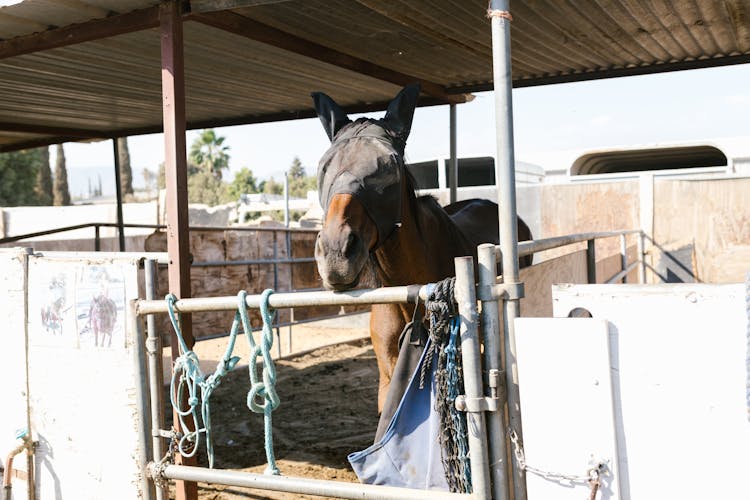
pixel 491 403
pixel 501 291
pixel 153 345
pixel 476 405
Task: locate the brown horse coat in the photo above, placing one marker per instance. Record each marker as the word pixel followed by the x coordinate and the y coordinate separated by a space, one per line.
pixel 374 220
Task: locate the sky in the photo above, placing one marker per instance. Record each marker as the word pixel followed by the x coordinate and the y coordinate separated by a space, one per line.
pixel 549 122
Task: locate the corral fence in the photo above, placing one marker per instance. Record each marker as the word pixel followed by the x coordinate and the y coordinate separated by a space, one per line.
pixel 484 413
pixel 38 280
pixel 283 244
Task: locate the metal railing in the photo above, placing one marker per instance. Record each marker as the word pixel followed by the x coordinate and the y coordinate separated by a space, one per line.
pixel 531 247
pixel 465 287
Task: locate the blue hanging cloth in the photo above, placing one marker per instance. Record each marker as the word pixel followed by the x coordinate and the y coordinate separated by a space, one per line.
pixel 407 451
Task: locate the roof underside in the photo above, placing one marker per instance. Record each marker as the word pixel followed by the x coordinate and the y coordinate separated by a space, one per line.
pixel 84 69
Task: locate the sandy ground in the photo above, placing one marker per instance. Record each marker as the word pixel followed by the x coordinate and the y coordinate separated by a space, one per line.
pixel 328 407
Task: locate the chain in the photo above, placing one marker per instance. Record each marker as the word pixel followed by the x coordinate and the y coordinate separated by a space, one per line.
pixel 168 459
pixel 592 477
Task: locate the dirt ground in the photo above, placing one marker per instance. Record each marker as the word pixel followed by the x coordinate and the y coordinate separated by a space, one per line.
pixel 328 408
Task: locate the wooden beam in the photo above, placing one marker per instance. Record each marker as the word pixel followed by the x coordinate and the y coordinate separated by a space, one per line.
pixel 249 28
pixel 61 131
pixel 35 143
pixel 175 166
pixel 216 5
pixel 120 24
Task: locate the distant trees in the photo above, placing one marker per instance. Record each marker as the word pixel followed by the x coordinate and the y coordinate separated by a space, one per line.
pixel 209 153
pixel 244 183
pixel 126 172
pixel 21 174
pixel 61 193
pixel 43 186
pixel 299 182
pixel 209 157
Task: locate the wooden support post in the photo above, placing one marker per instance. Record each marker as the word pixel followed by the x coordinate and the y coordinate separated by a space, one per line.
pixel 175 161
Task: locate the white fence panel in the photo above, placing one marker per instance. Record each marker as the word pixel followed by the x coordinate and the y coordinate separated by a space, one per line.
pixel 566 405
pixel 678 385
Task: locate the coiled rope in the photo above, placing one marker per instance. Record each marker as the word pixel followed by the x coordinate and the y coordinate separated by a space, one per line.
pixel 187 376
pixel 445 347
pixel 262 396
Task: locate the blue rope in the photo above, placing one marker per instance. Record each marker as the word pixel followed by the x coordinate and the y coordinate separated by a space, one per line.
pixel 262 396
pixel 457 418
pixel 187 374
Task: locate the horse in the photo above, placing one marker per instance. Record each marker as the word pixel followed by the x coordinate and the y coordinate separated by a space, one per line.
pixel 376 227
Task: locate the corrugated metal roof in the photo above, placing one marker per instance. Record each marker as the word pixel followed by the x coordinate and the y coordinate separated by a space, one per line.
pixel 276 52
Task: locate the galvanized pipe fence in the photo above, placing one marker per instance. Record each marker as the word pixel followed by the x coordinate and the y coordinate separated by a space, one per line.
pixel 485 371
pixel 475 403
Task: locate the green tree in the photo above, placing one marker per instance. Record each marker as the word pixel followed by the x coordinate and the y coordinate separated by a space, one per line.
pixel 296 170
pixel 270 186
pixel 61 192
pixel 19 171
pixel 209 153
pixel 244 183
pixel 43 187
pixel 204 187
pixel 126 171
pixel 299 182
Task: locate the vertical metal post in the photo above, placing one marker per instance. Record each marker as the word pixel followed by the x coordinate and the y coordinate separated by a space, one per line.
pixel 591 261
pixel 118 192
pixel 453 163
pixel 289 254
pixel 276 284
pixel 97 239
pixel 471 352
pixel 175 160
pixel 493 345
pixel 155 373
pixel 135 332
pixel 286 199
pixel 641 258
pixel 506 198
pixel 623 256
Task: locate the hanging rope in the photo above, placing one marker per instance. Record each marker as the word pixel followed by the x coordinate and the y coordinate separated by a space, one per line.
pixel 187 375
pixel 446 350
pixel 262 397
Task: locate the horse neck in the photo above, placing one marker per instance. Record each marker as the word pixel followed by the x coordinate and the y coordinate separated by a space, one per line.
pixel 422 249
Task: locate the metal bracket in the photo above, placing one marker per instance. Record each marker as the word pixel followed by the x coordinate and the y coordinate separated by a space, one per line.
pixel 501 291
pixel 491 403
pixel 153 345
pixel 476 405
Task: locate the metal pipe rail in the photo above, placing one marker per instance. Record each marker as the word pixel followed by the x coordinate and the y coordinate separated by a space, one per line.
pixel 390 295
pixel 297 485
pixel 253 262
pixel 534 246
pixel 97 225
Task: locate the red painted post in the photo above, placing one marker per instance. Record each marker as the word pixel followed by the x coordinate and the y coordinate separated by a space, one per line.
pixel 175 161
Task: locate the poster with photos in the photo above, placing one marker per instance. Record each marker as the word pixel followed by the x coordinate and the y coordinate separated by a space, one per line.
pixel 78 304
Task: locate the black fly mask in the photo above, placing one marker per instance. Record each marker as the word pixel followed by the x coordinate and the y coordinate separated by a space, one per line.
pixel 365 159
pixel 364 163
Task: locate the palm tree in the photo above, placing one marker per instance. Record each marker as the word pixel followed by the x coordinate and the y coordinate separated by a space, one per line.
pixel 209 153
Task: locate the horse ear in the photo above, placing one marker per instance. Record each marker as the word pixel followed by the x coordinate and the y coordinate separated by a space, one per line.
pixel 400 111
pixel 330 114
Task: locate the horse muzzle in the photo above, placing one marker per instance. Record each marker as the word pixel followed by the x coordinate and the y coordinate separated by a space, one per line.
pixel 340 258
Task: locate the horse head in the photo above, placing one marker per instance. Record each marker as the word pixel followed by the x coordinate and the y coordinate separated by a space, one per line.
pixel 359 185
